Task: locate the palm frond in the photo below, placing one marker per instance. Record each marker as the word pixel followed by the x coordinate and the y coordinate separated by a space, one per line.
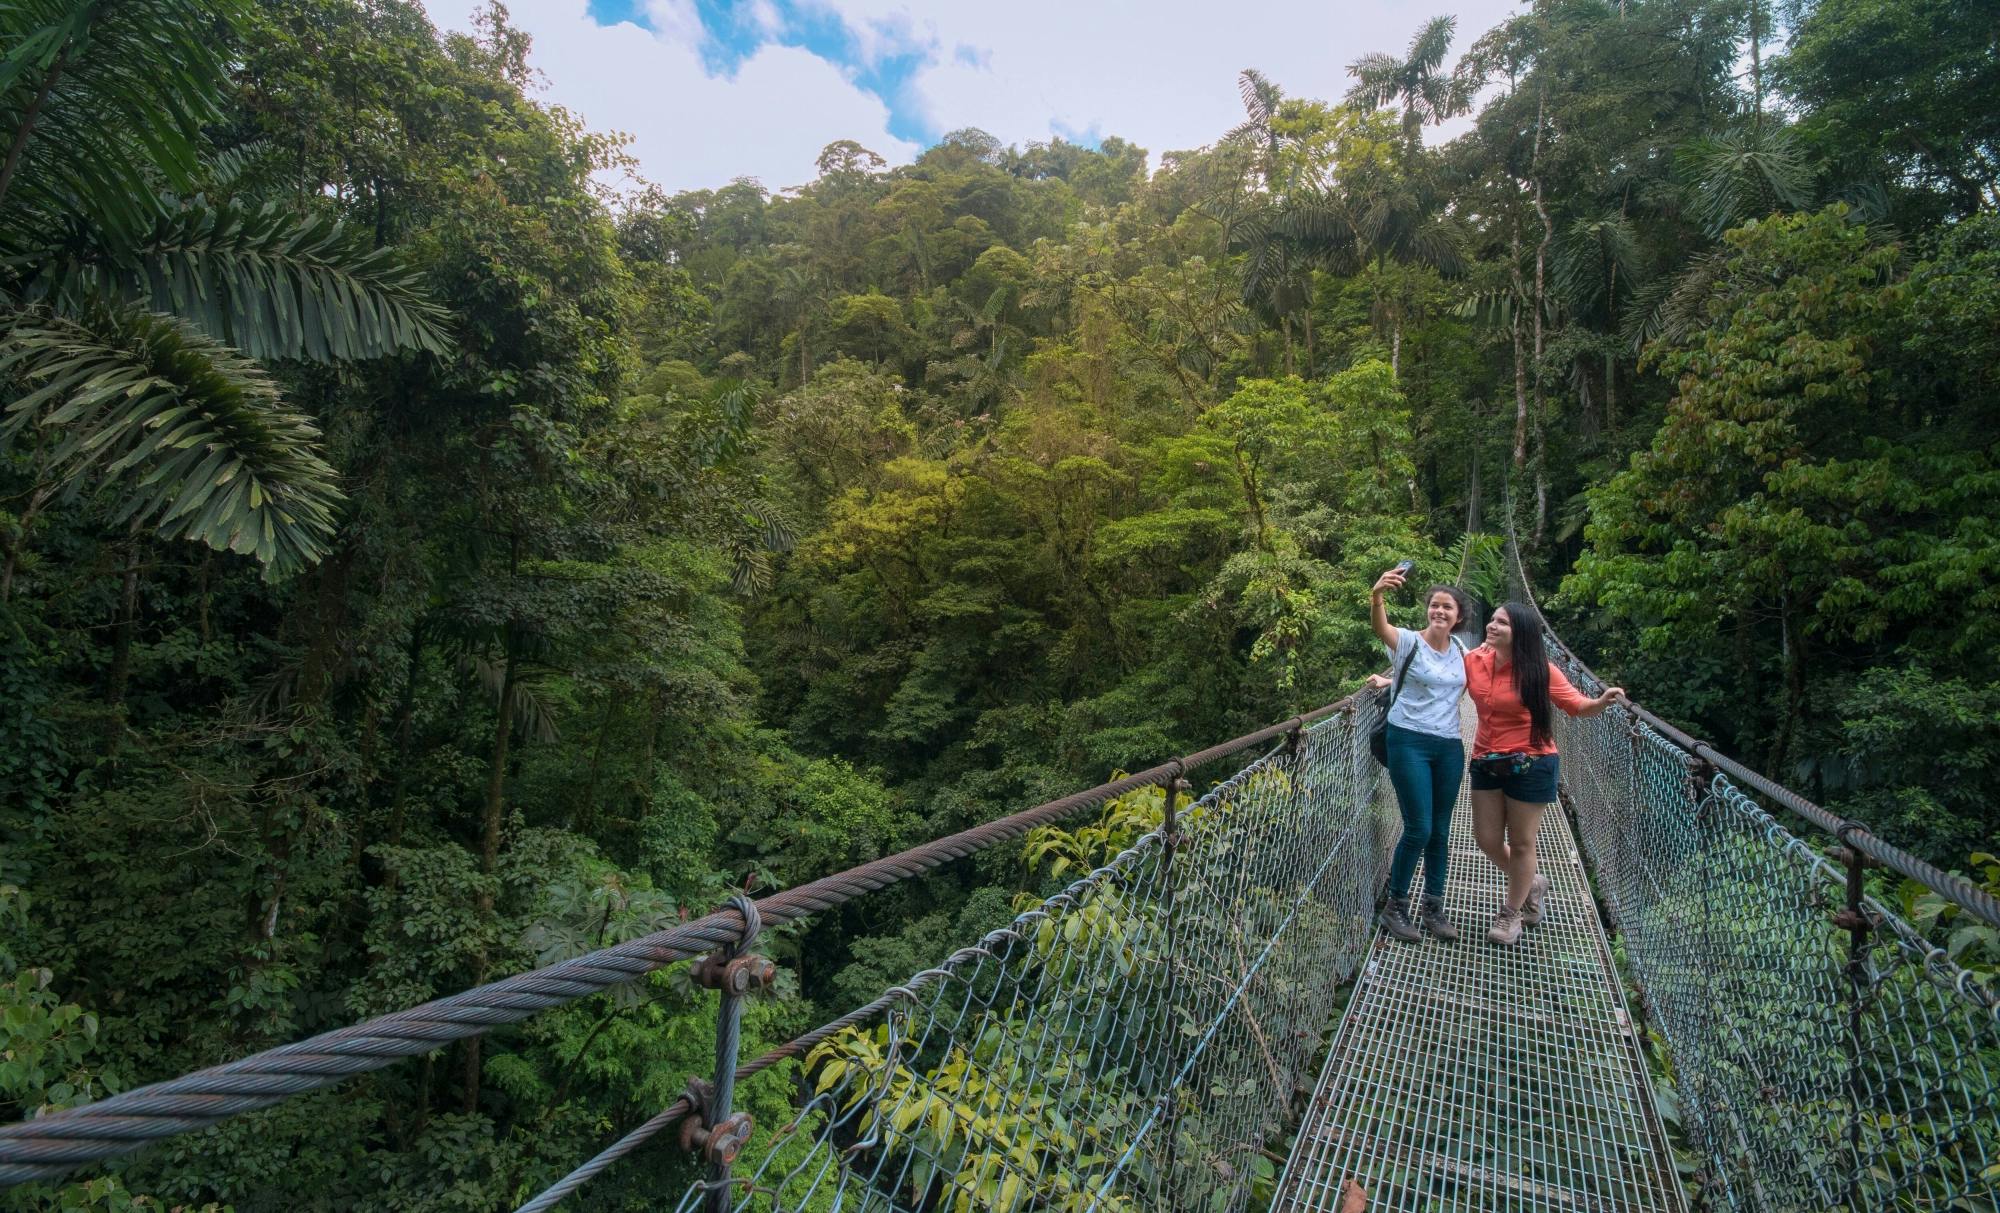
pixel 1587 252
pixel 1261 98
pixel 257 164
pixel 106 102
pixel 1745 174
pixel 723 427
pixel 1480 560
pixel 196 434
pixel 1430 45
pixel 533 715
pixel 270 282
pixel 1378 80
pixel 1669 309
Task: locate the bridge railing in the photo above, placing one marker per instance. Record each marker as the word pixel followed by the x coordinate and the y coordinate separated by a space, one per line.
pixel 1130 1043
pixel 1825 1053
pixel 1232 910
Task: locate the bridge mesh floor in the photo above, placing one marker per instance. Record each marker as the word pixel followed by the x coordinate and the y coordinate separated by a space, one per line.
pixel 1468 1076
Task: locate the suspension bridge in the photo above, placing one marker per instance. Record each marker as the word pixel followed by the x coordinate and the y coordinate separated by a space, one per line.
pixel 1207 1020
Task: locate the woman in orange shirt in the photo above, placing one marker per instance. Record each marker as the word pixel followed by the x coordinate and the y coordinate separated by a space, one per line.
pixel 1514 766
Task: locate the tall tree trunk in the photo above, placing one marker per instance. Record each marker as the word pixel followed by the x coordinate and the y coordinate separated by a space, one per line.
pixel 1472 502
pixel 656 710
pixel 1254 498
pixel 489 851
pixel 17 537
pixel 1794 651
pixel 1756 68
pixel 1541 302
pixel 586 816
pixel 1520 357
pixel 1396 346
pixel 496 771
pixel 405 729
pixel 128 620
pixel 29 117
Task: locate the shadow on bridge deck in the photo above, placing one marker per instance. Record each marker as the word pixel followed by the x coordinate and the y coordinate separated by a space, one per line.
pixel 1468 1076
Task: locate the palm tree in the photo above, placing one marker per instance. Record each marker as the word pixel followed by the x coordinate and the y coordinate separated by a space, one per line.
pixel 1427 96
pixel 1279 253
pixel 135 309
pixel 1258 130
pixel 1398 216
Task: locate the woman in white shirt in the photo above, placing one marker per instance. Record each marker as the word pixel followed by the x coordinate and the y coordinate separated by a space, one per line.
pixel 1426 755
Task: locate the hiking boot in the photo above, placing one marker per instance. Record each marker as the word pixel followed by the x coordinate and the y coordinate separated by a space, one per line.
pixel 1436 923
pixel 1531 909
pixel 1396 920
pixel 1506 928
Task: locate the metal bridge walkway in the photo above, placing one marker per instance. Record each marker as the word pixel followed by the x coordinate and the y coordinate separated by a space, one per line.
pixel 1472 1077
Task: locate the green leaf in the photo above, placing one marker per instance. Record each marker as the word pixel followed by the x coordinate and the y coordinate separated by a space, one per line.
pixel 185 425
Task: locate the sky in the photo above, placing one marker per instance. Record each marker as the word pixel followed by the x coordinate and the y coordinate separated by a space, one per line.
pixel 712 90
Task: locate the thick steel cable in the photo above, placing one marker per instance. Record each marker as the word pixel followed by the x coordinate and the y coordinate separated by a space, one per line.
pixel 800 1045
pixel 52 1145
pixel 1955 889
pixel 792 1049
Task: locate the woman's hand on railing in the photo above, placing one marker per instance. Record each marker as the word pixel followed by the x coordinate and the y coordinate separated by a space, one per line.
pixel 1378 681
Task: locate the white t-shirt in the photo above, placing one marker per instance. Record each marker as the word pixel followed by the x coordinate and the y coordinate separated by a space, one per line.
pixel 1427 701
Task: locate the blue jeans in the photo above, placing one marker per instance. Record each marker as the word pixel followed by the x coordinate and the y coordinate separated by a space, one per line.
pixel 1425 771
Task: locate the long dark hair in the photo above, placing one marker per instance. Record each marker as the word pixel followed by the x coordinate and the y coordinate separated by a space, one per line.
pixel 1530 658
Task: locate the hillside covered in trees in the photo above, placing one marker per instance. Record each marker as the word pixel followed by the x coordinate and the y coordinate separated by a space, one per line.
pixel 418 563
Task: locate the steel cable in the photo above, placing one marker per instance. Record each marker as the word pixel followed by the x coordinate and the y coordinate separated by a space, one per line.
pixel 52 1145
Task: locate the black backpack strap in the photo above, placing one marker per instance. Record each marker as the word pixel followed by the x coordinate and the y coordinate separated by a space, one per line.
pixel 1396 688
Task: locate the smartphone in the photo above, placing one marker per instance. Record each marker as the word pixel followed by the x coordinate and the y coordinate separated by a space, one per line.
pixel 1404 567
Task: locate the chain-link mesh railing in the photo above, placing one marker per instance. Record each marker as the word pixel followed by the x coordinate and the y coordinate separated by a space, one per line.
pixel 1136 1041
pixel 1827 1056
pixel 1131 1043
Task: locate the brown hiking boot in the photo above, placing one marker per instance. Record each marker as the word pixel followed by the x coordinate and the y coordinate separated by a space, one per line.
pixel 1396 921
pixel 1506 928
pixel 1436 923
pixel 1538 892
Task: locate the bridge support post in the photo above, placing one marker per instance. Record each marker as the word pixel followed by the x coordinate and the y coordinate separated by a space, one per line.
pixel 1169 1064
pixel 713 1130
pixel 1854 918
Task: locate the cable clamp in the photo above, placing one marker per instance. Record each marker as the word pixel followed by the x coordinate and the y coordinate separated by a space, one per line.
pixel 721 1144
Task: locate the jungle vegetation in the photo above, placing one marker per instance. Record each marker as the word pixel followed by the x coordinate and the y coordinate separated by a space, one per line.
pixel 421 561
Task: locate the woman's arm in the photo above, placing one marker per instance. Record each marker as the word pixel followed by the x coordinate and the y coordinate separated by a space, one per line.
pixel 1569 699
pixel 1378 615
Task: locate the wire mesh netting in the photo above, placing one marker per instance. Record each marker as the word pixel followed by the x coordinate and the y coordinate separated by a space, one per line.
pixel 1132 1042
pixel 1813 1074
pixel 1728 923
pixel 1472 1077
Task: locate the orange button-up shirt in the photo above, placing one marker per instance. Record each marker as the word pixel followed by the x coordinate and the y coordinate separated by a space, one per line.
pixel 1504 724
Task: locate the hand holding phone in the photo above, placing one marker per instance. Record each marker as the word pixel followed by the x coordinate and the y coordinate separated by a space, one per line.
pixel 1392 578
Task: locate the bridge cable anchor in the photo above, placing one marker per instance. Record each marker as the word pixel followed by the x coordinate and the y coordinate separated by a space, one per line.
pixel 713 1130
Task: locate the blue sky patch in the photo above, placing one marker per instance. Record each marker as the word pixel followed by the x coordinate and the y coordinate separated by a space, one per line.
pixel 732 34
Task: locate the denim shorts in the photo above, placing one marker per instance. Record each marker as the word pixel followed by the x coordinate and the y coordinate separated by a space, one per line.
pixel 1530 782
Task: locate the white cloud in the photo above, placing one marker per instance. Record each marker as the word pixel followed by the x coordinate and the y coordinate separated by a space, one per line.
pixel 1161 74
pixel 690 130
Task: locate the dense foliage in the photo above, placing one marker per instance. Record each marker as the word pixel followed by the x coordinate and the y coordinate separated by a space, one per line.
pixel 417 564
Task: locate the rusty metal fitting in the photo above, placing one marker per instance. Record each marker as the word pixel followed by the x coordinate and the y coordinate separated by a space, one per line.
pixel 1851 920
pixel 1847 854
pixel 736 975
pixel 721 1144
